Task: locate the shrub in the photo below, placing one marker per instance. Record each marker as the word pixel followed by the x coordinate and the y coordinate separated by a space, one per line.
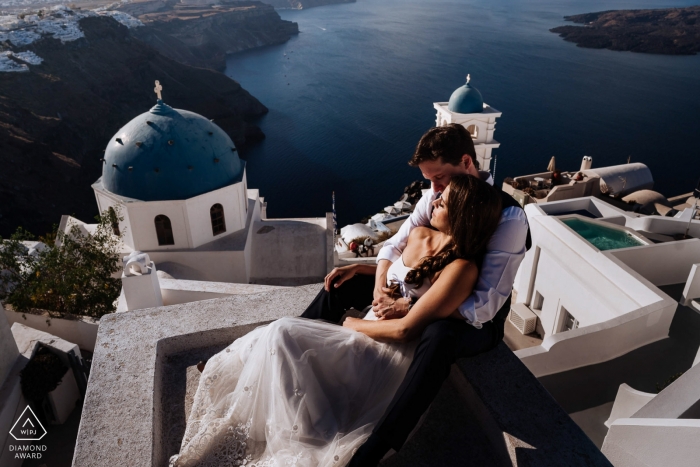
pixel 71 277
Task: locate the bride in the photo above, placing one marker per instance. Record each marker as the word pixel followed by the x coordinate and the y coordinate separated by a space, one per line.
pixel 308 393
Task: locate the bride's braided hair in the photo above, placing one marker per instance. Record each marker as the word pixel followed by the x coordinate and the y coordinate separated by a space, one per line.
pixel 473 213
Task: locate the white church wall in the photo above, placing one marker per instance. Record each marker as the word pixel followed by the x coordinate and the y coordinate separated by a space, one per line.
pixel 254 200
pixel 199 217
pixel 142 221
pixel 244 200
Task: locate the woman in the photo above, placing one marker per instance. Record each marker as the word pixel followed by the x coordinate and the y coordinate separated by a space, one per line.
pixel 306 393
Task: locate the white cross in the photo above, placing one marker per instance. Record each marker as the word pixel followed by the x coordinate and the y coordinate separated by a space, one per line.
pixel 158 89
pixel 469 78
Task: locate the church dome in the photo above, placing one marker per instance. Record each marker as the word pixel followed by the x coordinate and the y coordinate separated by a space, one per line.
pixel 466 100
pixel 169 154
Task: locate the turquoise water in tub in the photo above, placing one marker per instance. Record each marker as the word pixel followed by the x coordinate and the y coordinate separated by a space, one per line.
pixel 601 237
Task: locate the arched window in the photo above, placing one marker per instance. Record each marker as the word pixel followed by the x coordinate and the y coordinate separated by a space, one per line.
pixel 164 230
pixel 218 223
pixel 114 221
pixel 473 130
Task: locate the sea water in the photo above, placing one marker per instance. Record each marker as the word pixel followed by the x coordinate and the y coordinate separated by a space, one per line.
pixel 350 96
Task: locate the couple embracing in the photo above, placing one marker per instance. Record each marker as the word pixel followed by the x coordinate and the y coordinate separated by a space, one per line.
pixel 309 392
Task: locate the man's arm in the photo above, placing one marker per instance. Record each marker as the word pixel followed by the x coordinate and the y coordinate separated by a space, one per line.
pixel 420 216
pixel 393 247
pixel 505 252
pixel 438 302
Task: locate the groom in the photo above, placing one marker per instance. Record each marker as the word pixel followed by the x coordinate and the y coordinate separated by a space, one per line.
pixel 443 152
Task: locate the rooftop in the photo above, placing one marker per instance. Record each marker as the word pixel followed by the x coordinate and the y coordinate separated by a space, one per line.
pixel 143 378
pixel 169 154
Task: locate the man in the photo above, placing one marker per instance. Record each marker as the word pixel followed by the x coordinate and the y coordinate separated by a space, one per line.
pixel 442 153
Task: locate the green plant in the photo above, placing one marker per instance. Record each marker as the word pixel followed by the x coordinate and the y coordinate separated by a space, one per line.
pixel 42 374
pixel 71 277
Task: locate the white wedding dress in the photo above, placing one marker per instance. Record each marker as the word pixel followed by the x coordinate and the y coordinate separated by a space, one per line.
pixel 296 392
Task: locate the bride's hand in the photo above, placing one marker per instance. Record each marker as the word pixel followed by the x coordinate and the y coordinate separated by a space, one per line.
pixel 388 308
pixel 339 275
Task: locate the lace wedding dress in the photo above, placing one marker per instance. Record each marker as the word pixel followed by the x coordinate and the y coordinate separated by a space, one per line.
pixel 296 392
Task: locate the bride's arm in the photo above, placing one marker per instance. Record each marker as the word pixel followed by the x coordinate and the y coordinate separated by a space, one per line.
pixel 452 287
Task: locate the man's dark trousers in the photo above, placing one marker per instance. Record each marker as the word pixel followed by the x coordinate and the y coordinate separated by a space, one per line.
pixel 440 345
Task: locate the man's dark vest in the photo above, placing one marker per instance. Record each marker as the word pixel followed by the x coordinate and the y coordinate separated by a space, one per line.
pixel 507 201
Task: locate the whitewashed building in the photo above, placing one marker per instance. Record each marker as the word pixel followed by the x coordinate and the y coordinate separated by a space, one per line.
pixel 466 107
pixel 590 283
pixel 176 189
pixel 653 430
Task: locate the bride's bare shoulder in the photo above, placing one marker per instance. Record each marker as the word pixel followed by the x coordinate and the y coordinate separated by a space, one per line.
pixel 421 232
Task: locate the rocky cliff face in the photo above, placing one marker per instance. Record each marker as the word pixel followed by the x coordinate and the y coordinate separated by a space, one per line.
pixel 202 35
pixel 56 119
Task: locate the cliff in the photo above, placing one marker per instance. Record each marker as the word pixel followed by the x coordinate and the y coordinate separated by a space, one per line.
pixel 672 31
pixel 202 35
pixel 57 116
pixel 302 4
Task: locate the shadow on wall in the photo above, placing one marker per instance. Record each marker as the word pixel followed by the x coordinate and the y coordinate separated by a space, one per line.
pixel 642 369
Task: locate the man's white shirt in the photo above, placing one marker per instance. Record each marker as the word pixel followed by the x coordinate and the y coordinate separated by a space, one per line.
pixel 505 252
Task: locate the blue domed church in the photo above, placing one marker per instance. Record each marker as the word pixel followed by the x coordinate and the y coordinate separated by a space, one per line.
pixel 179 188
pixel 467 108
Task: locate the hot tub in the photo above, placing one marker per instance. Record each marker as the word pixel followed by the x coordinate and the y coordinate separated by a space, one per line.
pixel 602 236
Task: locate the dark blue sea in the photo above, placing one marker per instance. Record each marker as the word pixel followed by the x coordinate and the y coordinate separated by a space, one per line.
pixel 354 92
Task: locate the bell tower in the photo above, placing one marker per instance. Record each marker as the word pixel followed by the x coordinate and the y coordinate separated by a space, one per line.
pixel 466 107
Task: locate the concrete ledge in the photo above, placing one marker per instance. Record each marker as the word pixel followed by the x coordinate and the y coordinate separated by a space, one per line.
pixel 524 423
pixel 122 420
pixel 143 377
pixel 176 291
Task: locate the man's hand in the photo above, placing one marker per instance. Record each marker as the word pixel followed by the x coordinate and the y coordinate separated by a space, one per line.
pixel 386 307
pixel 382 293
pixel 339 275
